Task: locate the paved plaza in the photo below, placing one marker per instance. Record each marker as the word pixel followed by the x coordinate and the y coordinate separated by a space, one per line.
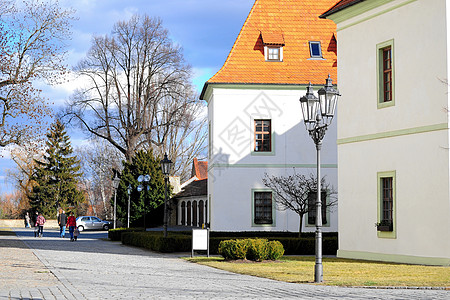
pixel 94 268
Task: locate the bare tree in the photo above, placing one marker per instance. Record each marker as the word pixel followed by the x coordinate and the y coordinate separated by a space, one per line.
pixel 139 90
pixel 32 35
pixel 293 192
pixel 97 163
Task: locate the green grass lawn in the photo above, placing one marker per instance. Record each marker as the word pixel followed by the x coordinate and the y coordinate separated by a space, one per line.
pixel 339 272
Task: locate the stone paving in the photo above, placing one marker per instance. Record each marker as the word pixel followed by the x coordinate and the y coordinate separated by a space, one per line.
pixel 92 268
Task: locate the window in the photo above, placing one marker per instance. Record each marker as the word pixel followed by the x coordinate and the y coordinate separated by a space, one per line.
pixel 183 213
pixel 386 205
pixel 312 198
pixel 387 200
pixel 263 136
pixel 273 53
pixel 315 50
pixel 387 74
pixel 385 54
pixel 263 207
pixel 194 214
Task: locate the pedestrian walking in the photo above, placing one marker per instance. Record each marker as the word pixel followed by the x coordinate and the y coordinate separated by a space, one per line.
pixel 72 224
pixel 62 221
pixel 76 233
pixel 40 221
pixel 27 220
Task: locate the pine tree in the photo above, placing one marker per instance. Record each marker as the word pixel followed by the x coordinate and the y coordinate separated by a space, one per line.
pixel 56 176
pixel 147 200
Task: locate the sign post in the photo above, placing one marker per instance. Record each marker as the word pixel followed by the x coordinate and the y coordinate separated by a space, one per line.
pixel 200 240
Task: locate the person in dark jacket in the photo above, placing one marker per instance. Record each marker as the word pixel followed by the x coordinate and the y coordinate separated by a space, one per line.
pixel 62 221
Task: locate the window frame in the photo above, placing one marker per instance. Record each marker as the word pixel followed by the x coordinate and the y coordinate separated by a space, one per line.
pixel 381 71
pixel 267 53
pixel 253 199
pixel 382 232
pixel 312 56
pixel 262 133
pixel 325 211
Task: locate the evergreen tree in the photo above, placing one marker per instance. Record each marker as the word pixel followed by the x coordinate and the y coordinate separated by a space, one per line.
pixel 56 176
pixel 143 163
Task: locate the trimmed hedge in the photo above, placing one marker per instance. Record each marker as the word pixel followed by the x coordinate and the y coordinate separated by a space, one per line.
pixel 116 234
pixel 252 249
pixel 182 241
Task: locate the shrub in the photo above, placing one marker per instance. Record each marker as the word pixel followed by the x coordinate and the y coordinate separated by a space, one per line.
pixel 257 249
pixel 252 249
pixel 275 250
pixel 233 249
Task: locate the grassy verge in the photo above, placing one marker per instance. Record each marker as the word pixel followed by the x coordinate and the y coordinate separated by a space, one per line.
pixel 338 272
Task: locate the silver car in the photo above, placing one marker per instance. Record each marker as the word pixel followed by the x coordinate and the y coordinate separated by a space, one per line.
pixel 91 222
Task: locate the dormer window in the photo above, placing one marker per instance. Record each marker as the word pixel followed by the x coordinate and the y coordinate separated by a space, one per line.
pixel 273 45
pixel 273 53
pixel 315 50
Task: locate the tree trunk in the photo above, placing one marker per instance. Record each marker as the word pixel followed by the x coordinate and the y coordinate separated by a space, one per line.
pixel 300 227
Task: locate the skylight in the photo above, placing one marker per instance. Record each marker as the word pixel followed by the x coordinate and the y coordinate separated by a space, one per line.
pixel 315 50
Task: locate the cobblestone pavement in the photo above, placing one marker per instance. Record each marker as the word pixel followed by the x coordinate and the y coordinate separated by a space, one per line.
pixel 92 268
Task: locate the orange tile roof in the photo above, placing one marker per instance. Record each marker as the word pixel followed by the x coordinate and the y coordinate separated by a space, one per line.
pixel 199 169
pixel 296 23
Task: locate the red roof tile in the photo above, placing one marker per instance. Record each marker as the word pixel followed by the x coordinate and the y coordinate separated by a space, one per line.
pixel 199 169
pixel 293 22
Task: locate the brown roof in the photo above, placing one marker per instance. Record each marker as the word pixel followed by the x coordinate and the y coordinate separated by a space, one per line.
pixel 199 169
pixel 290 22
pixel 340 6
pixel 195 188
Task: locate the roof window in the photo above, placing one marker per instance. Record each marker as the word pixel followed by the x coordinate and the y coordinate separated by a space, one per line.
pixel 315 50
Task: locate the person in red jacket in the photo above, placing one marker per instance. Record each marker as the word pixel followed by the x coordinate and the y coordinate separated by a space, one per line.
pixel 71 224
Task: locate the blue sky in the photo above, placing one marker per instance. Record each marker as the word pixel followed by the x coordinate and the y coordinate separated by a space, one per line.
pixel 206 30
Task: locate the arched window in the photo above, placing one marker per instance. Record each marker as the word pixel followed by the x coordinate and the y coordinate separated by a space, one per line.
pixel 201 210
pixel 194 214
pixel 189 223
pixel 183 213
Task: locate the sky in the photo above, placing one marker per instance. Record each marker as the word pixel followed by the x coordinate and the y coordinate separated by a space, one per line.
pixel 205 29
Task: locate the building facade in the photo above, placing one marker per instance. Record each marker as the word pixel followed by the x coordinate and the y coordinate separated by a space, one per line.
pixel 255 118
pixel 393 130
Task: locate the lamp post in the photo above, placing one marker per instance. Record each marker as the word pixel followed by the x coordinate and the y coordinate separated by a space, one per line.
pixel 317 116
pixel 129 192
pixel 165 167
pixel 116 181
pixel 143 180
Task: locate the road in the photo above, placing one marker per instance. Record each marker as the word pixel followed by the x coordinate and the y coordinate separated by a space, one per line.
pixel 95 268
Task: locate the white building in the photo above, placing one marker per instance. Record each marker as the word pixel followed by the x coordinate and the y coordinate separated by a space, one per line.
pixel 393 130
pixel 255 118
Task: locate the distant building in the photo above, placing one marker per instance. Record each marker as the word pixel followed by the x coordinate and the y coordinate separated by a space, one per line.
pixel 255 118
pixel 393 130
pixel 191 202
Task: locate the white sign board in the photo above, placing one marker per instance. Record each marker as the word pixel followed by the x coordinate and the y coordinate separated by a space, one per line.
pixel 200 240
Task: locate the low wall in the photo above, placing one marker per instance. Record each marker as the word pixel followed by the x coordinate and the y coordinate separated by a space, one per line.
pixel 20 223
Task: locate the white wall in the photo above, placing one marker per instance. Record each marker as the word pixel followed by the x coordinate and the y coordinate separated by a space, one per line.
pixel 234 170
pixel 421 160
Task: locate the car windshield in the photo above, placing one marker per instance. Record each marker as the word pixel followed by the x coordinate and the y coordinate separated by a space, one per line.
pixel 96 219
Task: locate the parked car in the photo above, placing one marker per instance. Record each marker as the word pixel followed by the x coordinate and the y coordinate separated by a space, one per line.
pixel 91 222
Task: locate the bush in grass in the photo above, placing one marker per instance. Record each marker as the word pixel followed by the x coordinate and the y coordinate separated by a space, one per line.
pixel 252 249
pixel 257 249
pixel 275 250
pixel 233 249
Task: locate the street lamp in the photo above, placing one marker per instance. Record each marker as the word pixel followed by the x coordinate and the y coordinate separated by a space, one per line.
pixel 143 180
pixel 317 115
pixel 116 181
pixel 129 192
pixel 165 167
